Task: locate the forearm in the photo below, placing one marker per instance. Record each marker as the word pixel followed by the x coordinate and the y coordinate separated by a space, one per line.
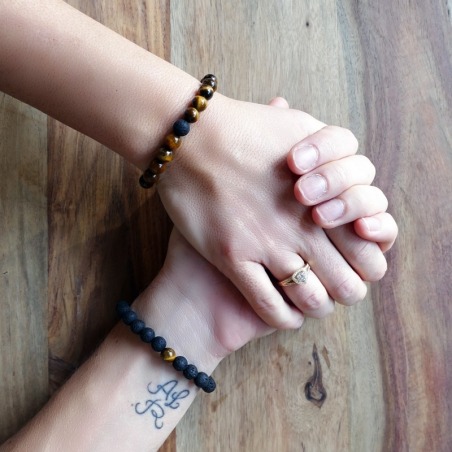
pixel 113 402
pixel 90 78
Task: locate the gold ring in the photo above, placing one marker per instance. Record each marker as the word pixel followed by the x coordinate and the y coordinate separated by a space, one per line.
pixel 300 276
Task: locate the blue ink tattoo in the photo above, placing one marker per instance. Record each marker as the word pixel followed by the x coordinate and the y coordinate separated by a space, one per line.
pixel 165 396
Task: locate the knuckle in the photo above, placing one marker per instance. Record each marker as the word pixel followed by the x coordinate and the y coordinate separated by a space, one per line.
pixel 350 291
pixel 314 302
pixel 346 135
pixel 368 165
pixel 377 271
pixel 364 252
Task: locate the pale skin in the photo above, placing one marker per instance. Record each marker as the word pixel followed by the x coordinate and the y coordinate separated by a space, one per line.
pixel 76 70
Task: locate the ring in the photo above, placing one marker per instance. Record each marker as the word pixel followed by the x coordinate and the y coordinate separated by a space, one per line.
pixel 299 277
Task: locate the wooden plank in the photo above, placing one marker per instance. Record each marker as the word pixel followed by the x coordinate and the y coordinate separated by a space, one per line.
pixel 23 264
pixel 407 83
pixel 101 225
pixel 385 71
pixel 107 236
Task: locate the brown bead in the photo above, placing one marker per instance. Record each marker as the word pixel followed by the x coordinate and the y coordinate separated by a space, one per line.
pixel 207 76
pixel 168 354
pixel 206 91
pixel 211 82
pixel 172 142
pixel 157 166
pixel 200 103
pixel 165 155
pixel 149 178
pixel 191 114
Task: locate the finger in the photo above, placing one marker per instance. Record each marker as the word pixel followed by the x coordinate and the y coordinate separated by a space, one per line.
pixel 356 202
pixel 341 281
pixel 327 144
pixel 380 228
pixel 364 256
pixel 255 285
pixel 311 297
pixel 279 102
pixel 333 178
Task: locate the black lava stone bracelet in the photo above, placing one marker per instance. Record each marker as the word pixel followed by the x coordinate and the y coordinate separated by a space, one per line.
pixel 181 128
pixel 158 344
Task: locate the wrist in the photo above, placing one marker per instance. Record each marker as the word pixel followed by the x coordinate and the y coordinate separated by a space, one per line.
pixel 178 319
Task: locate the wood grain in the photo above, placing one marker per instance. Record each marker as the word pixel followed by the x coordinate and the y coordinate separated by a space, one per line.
pixel 77 234
pixel 385 71
pixel 23 264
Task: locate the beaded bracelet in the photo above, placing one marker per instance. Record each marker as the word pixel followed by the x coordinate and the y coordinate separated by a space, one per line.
pixel 181 128
pixel 158 344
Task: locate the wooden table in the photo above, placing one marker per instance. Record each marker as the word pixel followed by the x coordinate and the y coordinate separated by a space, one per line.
pixel 77 234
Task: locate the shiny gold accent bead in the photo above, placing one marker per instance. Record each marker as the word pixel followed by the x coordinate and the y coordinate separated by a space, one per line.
pixel 200 103
pixel 165 155
pixel 168 354
pixel 191 114
pixel 172 142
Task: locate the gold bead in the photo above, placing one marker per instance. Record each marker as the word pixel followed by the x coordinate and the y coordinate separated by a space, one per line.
pixel 168 354
pixel 172 142
pixel 200 103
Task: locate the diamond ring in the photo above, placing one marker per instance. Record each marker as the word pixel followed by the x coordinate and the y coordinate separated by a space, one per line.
pixel 300 276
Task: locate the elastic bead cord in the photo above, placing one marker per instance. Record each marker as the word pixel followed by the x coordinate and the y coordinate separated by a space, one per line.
pixel 158 344
pixel 181 128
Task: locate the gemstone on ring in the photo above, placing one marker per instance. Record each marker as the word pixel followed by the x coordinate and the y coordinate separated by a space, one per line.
pixel 300 276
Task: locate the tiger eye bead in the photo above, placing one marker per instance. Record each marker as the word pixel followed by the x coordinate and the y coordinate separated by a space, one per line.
pixel 168 354
pixel 148 178
pixel 157 166
pixel 200 103
pixel 206 91
pixel 207 76
pixel 165 155
pixel 172 142
pixel 211 82
pixel 191 114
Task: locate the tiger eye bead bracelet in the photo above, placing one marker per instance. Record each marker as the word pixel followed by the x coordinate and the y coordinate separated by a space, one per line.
pixel 181 128
pixel 158 344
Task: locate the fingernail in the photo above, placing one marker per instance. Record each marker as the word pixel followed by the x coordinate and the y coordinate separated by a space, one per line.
pixel 372 224
pixel 331 210
pixel 305 157
pixel 313 187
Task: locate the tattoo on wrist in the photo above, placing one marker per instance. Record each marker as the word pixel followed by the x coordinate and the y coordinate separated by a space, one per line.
pixel 162 397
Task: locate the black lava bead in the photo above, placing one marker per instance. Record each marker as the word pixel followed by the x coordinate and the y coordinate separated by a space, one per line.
pixel 210 386
pixel 122 307
pixel 147 334
pixel 128 317
pixel 158 343
pixel 201 379
pixel 181 128
pixel 137 326
pixel 190 372
pixel 180 363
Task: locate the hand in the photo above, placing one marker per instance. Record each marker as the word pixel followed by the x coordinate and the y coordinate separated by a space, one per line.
pixel 230 193
pixel 207 307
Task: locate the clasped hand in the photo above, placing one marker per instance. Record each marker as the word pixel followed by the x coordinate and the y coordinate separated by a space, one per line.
pixel 258 214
